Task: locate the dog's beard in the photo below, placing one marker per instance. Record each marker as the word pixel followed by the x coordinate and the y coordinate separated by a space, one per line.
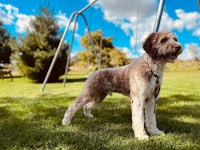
pixel 171 59
pixel 172 55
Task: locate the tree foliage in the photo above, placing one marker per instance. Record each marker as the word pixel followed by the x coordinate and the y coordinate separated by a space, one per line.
pixel 35 52
pixel 107 53
pixel 5 49
pixel 194 51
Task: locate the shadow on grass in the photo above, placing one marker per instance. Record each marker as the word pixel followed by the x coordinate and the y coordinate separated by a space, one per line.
pixel 36 123
pixel 179 113
pixel 77 79
pixel 40 128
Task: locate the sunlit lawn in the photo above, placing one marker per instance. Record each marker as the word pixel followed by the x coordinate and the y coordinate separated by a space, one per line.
pixel 32 120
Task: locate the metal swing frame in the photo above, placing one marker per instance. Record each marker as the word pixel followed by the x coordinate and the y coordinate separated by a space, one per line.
pixel 73 15
pixel 76 15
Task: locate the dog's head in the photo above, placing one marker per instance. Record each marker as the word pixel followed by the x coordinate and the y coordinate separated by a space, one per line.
pixel 162 45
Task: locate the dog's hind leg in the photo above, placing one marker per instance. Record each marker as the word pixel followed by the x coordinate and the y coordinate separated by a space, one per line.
pixel 72 109
pixel 91 104
pixel 88 107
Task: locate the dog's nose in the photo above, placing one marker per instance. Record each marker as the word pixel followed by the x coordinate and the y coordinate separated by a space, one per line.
pixel 178 48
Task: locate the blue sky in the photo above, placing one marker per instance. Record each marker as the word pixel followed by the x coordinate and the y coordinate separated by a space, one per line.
pixel 116 18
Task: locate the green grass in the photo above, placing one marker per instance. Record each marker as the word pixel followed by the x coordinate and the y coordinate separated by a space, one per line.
pixel 32 120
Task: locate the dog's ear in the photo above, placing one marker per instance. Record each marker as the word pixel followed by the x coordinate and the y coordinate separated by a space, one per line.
pixel 149 42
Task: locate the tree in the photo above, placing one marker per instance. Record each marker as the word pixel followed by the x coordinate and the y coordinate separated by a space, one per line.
pixel 194 51
pixel 108 54
pixel 5 49
pixel 35 52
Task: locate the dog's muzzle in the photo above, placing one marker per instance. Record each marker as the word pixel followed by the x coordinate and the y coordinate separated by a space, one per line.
pixel 173 56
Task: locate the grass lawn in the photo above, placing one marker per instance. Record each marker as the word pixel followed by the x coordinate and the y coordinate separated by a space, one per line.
pixel 32 120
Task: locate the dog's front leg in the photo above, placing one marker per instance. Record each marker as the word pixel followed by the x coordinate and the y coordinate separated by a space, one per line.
pixel 150 113
pixel 137 108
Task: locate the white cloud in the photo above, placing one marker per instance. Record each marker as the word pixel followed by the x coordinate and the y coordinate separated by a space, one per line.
pixel 77 36
pixel 10 16
pixel 126 27
pixel 197 32
pixel 190 20
pixel 74 53
pixel 115 11
pixel 23 23
pixel 185 20
pixel 8 13
pixel 63 21
pixel 127 51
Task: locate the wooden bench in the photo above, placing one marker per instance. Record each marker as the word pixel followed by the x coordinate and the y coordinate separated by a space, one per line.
pixel 4 72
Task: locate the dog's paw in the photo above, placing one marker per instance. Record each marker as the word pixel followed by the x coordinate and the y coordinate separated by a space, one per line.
pixel 89 115
pixel 66 122
pixel 143 137
pixel 156 132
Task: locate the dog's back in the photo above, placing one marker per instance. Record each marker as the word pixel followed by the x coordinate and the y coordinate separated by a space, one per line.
pixel 109 80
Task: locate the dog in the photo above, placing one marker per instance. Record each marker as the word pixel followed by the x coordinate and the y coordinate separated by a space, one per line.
pixel 140 80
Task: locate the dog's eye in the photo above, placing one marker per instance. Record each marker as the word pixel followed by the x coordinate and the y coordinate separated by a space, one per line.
pixel 175 39
pixel 163 40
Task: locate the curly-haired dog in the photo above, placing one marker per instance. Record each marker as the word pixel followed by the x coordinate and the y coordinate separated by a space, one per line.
pixel 141 81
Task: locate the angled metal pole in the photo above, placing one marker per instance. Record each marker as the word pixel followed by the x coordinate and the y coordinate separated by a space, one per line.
pixel 56 54
pixel 70 47
pixel 199 3
pixel 92 42
pixel 87 6
pixel 69 50
pixel 159 15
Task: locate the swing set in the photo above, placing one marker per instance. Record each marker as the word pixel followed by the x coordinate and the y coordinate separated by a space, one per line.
pixel 75 15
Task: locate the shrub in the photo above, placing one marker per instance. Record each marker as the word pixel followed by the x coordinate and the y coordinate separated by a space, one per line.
pixel 35 52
